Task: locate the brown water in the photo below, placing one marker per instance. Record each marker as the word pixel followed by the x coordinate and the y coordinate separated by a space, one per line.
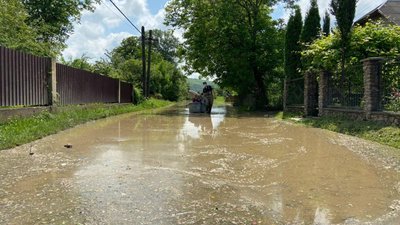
pixel 176 168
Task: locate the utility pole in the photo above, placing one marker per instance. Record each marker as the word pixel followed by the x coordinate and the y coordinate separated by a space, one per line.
pixel 149 65
pixel 144 90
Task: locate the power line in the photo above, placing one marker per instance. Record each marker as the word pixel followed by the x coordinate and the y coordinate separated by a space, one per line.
pixel 112 10
pixel 125 16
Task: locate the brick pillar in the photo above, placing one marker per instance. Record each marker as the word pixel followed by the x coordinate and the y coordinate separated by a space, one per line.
pixel 310 94
pixel 323 92
pixel 372 83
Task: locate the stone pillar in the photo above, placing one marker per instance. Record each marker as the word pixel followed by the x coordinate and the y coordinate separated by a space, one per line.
pixel 372 85
pixel 52 83
pixel 323 92
pixel 310 94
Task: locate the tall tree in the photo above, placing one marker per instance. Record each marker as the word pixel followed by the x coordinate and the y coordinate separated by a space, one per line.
pixel 312 24
pixel 344 11
pixel 53 19
pixel 235 41
pixel 326 28
pixel 166 44
pixel 15 33
pixel 292 45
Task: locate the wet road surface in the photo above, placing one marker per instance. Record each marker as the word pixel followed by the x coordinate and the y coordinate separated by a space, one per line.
pixel 176 168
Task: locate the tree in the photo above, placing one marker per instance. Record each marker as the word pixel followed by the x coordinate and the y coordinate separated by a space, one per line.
pixel 15 33
pixel 292 45
pixel 166 44
pixel 53 19
pixel 235 41
pixel 326 28
pixel 374 39
pixel 166 80
pixel 312 24
pixel 344 11
pixel 79 63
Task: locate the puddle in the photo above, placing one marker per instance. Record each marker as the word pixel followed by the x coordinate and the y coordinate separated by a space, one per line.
pixel 179 168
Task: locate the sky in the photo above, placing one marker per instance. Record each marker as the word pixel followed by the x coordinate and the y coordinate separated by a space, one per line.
pixel 105 28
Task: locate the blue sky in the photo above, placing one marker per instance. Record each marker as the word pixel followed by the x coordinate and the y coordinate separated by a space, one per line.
pixel 105 28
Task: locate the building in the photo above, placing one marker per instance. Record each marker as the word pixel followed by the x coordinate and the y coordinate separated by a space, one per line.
pixel 388 11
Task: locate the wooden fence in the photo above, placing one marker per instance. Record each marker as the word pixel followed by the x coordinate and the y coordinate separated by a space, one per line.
pixel 27 80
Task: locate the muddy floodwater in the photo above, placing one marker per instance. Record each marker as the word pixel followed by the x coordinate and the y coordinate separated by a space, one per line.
pixel 176 168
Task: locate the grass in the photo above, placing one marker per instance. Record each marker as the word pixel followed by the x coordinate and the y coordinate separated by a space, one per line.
pixel 219 101
pixel 20 131
pixel 369 130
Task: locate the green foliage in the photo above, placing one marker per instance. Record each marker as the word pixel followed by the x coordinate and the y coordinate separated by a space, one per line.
pixel 125 63
pixel 393 100
pixel 53 19
pixel 387 135
pixel 374 39
pixel 292 45
pixel 326 27
pixel 15 33
pixel 312 24
pixel 39 27
pixel 166 44
pixel 344 11
pixel 168 82
pixel 235 41
pixel 79 63
pixel 23 130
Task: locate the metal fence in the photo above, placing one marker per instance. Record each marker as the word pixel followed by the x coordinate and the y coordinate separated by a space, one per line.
pixel 23 79
pixel 126 92
pixel 346 90
pixel 75 86
pixel 295 92
pixel 390 85
pixel 26 80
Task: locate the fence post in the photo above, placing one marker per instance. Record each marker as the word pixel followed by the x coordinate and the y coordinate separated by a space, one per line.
pixel 372 85
pixel 323 92
pixel 52 87
pixel 285 94
pixel 310 94
pixel 119 91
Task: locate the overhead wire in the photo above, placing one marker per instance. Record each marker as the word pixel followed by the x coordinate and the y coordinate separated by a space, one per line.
pixel 125 17
pixel 112 10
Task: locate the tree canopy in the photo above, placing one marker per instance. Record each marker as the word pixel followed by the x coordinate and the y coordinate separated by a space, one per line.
pixel 40 27
pixel 237 42
pixel 15 33
pixel 374 39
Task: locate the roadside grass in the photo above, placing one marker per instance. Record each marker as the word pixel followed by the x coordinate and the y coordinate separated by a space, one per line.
pixel 20 131
pixel 369 130
pixel 219 101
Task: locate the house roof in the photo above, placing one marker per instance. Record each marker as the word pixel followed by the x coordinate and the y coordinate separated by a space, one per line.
pixel 390 10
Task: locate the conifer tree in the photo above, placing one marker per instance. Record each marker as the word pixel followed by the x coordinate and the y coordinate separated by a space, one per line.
pixel 344 11
pixel 312 24
pixel 326 28
pixel 292 45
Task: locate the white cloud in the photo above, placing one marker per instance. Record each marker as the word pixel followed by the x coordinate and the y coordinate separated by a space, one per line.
pixel 105 28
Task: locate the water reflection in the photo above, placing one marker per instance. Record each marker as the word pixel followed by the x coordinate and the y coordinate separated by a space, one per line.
pixel 181 168
pixel 197 125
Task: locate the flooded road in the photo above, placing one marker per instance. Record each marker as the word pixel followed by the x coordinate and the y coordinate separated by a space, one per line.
pixel 176 168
